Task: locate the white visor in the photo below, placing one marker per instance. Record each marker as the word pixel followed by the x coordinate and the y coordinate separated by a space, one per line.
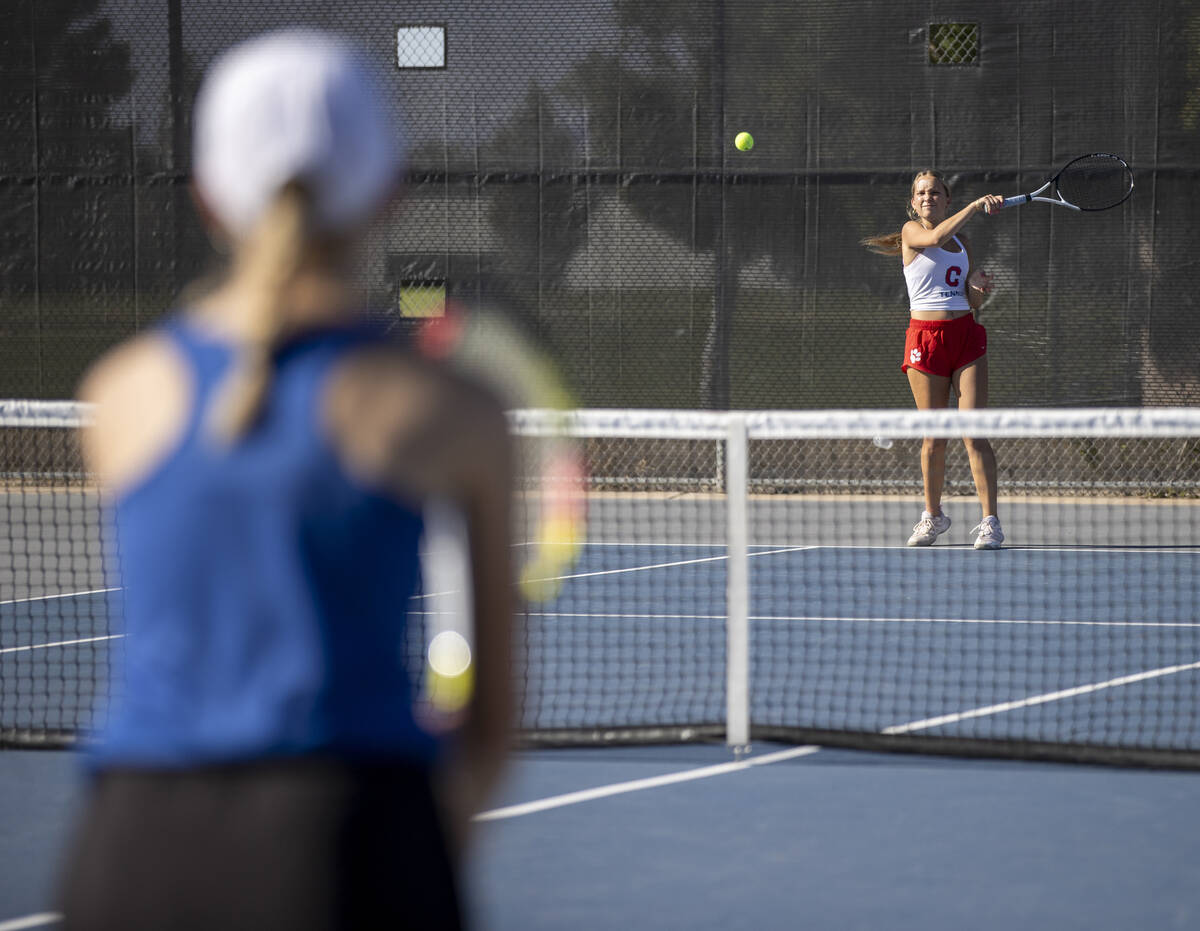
pixel 292 106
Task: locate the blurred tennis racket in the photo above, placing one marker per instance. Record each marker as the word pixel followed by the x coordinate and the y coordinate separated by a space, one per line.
pixel 485 343
pixel 1091 182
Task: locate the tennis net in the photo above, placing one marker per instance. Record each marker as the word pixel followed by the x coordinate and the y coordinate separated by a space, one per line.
pixel 745 577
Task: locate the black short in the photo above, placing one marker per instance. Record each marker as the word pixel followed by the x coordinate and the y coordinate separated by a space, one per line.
pixel 310 844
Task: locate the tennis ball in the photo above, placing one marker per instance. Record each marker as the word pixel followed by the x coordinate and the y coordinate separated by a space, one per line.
pixel 450 653
pixel 744 141
pixel 449 674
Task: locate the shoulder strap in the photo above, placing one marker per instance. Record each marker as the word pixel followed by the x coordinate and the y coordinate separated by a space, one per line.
pixel 207 362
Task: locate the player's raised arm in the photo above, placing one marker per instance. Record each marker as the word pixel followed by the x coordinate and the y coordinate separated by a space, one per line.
pixel 917 236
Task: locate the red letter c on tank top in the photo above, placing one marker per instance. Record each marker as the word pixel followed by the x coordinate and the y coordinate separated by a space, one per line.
pixel 953 276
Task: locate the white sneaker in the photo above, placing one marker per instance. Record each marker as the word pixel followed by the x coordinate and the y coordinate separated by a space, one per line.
pixel 928 529
pixel 990 535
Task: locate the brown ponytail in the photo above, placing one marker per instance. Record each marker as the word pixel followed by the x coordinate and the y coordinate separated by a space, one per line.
pixel 890 243
pixel 267 262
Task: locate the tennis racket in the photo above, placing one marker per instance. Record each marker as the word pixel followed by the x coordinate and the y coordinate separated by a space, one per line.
pixel 484 340
pixel 1090 182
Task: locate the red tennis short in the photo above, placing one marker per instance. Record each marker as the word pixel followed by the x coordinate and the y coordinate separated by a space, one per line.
pixel 942 347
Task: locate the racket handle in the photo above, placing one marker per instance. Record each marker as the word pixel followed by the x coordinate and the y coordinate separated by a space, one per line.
pixel 1016 200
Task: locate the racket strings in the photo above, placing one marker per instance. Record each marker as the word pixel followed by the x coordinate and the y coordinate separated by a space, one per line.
pixel 1095 182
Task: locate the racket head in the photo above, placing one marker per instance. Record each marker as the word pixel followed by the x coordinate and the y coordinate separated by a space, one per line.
pixel 1098 181
pixel 487 340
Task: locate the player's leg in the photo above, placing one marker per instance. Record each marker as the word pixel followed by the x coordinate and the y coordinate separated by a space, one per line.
pixel 930 391
pixel 970 384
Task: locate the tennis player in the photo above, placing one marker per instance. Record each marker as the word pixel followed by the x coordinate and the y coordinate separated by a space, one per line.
pixel 945 345
pixel 267 455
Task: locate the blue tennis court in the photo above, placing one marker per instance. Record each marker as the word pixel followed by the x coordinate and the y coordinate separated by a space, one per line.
pixel 1042 642
pixel 841 638
pixel 829 840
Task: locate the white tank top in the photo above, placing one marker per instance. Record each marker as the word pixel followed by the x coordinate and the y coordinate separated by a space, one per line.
pixel 937 279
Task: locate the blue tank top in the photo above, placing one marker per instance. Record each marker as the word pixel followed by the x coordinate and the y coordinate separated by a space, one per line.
pixel 265 591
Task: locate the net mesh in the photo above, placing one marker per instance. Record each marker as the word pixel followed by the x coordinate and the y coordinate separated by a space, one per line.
pixel 1078 640
pixel 58 625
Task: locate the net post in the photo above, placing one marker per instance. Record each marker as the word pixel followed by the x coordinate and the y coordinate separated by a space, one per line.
pixel 737 589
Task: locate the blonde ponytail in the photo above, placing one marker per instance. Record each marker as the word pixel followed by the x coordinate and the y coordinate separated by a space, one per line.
pixel 267 262
pixel 885 244
pixel 890 243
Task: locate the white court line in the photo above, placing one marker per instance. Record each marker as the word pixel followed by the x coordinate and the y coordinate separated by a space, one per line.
pixel 59 643
pixel 776 550
pixel 716 544
pixel 1039 699
pixel 969 621
pixel 614 617
pixel 666 565
pixel 636 785
pixel 661 565
pixel 818 546
pixel 980 621
pixel 21 601
pixel 618 788
pixel 30 921
pixel 1017 622
pixel 1081 548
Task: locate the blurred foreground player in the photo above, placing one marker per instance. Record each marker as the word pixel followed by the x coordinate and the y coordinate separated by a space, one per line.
pixel 267 455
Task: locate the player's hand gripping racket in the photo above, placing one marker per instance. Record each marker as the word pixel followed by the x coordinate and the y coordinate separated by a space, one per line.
pixel 1090 182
